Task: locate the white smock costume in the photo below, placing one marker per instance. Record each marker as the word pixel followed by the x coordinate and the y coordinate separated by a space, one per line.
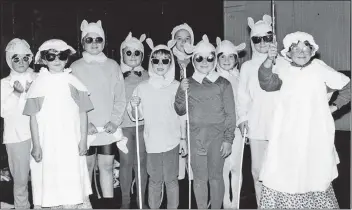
pixel 254 104
pixel 301 159
pixel 232 162
pixel 61 177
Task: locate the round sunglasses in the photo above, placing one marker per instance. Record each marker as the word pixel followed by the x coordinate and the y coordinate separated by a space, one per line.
pixel 164 61
pixel 258 39
pixel 17 59
pixel 136 53
pixel 90 40
pixel 63 56
pixel 200 58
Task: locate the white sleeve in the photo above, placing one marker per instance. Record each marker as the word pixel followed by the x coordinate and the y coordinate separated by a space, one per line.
pixel 9 101
pixel 243 97
pixel 333 79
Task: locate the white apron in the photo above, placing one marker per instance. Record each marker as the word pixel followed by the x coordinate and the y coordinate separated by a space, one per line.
pixel 301 155
pixel 61 178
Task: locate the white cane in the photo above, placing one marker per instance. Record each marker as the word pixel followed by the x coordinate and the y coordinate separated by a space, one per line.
pixel 240 174
pixel 189 145
pixel 138 161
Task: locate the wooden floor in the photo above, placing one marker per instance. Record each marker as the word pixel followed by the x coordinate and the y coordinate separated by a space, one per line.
pixel 341 184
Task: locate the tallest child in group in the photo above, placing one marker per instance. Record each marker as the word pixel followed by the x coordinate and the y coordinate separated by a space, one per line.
pixel 104 80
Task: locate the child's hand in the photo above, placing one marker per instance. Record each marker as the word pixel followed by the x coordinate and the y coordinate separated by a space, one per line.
pixel 183 148
pixel 184 84
pixel 37 153
pixel 226 149
pixel 135 101
pixel 82 148
pixel 28 85
pixel 272 52
pixel 333 108
pixel 92 129
pixel 243 126
pixel 18 87
pixel 110 128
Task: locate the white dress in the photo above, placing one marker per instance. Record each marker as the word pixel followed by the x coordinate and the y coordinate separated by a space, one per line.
pixel 61 178
pixel 301 157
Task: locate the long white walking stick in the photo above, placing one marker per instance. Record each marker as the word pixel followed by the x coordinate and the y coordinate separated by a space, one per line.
pixel 189 146
pixel 138 161
pixel 240 169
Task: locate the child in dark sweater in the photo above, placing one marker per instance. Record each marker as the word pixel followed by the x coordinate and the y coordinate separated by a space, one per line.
pixel 212 123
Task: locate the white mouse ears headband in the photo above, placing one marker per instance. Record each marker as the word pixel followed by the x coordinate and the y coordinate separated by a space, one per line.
pixel 92 28
pixel 226 47
pixel 261 26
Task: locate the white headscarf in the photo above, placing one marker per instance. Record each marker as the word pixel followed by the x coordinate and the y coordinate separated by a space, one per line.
pixel 93 28
pixel 136 44
pixel 227 48
pixel 259 28
pixel 55 44
pixel 181 55
pixel 204 46
pixel 156 80
pixel 17 46
pixel 294 38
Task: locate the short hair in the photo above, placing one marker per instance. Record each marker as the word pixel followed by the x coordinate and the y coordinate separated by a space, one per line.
pixel 161 52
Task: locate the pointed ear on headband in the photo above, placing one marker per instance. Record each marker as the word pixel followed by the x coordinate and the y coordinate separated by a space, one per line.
pixel 267 19
pixel 99 23
pixel 250 22
pixel 142 37
pixel 150 43
pixel 218 41
pixel 129 36
pixel 240 47
pixel 171 43
pixel 84 24
pixel 205 38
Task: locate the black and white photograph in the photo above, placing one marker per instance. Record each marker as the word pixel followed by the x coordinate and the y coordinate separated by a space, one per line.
pixel 175 104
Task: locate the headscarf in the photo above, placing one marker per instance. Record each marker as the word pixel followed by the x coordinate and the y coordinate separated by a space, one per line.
pixel 154 79
pixel 294 38
pixel 55 44
pixel 136 44
pixel 181 55
pixel 259 28
pixel 17 46
pixel 227 48
pixel 93 28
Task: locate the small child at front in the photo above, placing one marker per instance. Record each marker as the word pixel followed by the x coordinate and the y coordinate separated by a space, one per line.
pixel 17 134
pixel 212 123
pixel 227 54
pixel 57 105
pixel 164 134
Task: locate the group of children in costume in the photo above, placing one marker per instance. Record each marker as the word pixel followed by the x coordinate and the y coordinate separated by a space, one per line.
pixel 70 119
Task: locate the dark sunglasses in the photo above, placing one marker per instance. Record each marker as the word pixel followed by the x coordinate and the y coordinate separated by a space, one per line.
pixel 17 59
pixel 136 53
pixel 90 40
pixel 200 58
pixel 157 61
pixel 258 39
pixel 63 56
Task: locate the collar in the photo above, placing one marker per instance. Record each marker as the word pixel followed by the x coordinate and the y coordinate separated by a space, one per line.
pixel 180 55
pixel 101 57
pixel 301 66
pixel 199 77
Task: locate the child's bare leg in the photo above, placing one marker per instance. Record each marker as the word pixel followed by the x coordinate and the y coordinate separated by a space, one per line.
pixel 215 170
pixel 105 164
pixel 200 179
pixel 91 164
pixel 226 200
